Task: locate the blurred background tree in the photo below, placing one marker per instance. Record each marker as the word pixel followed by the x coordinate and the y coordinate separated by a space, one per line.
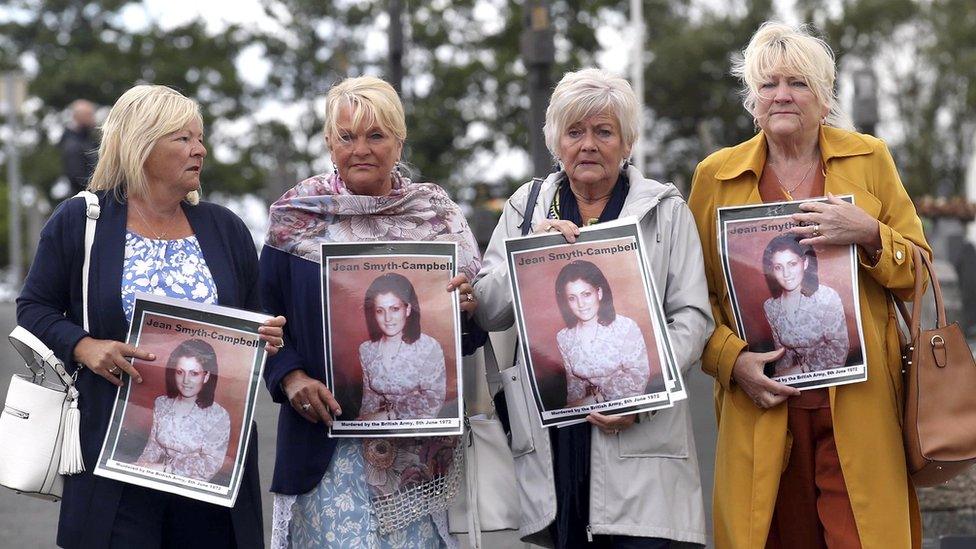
pixel 464 84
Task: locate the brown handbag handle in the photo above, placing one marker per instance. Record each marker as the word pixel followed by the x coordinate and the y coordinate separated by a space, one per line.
pixel 914 320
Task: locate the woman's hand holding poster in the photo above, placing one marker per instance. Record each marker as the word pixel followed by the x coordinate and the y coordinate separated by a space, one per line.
pixel 795 299
pixel 591 325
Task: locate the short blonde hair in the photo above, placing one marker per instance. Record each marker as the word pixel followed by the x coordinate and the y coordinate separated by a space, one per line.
pixel 792 51
pixel 139 118
pixel 588 92
pixel 373 101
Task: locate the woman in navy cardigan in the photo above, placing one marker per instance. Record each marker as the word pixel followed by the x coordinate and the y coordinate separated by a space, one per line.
pixel 152 235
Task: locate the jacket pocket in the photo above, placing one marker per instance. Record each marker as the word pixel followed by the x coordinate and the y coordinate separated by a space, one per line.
pixel 663 435
pixel 518 411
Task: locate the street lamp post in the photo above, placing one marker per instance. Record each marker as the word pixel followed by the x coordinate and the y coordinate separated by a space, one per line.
pixel 13 89
pixel 539 54
pixel 865 100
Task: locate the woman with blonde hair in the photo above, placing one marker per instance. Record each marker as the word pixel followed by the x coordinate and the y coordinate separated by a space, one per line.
pixel 824 467
pixel 153 235
pixel 351 492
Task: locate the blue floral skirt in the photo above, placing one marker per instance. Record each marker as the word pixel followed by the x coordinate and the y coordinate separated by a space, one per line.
pixel 338 514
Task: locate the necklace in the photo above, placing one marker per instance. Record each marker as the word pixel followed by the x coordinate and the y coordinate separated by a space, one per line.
pixel 789 192
pixel 169 222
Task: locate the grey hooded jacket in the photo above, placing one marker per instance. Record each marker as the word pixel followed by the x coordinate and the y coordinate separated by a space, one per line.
pixel 644 481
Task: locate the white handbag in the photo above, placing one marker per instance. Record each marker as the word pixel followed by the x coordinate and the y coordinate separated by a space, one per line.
pixel 489 478
pixel 40 421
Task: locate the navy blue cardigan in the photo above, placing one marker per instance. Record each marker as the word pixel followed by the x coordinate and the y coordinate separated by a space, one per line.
pixel 50 307
pixel 290 286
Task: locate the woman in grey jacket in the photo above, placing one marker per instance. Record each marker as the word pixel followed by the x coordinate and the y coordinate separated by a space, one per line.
pixel 623 481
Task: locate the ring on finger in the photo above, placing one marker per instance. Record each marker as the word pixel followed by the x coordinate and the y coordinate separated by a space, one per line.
pixel 550 227
pixel 115 370
pixel 306 406
pixel 280 344
pixel 469 297
pixel 816 229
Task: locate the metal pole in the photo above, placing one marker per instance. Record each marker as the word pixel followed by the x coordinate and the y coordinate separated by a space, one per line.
pixel 396 45
pixel 637 77
pixel 539 53
pixel 12 91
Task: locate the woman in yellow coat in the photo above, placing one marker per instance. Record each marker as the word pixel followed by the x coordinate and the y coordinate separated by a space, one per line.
pixel 825 467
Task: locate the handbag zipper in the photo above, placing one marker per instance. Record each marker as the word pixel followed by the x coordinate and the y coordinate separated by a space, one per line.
pixel 15 412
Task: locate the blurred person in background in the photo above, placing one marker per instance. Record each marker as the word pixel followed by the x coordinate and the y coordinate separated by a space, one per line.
pixel 79 149
pixel 825 467
pixel 153 235
pixel 621 481
pixel 353 492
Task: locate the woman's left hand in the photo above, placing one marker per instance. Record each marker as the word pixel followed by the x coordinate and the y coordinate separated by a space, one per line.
pixel 273 334
pixel 465 292
pixel 836 222
pixel 611 425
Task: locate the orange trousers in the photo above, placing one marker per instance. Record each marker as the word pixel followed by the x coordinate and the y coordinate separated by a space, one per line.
pixel 813 510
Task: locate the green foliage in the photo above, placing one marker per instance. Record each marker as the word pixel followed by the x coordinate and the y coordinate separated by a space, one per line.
pixel 464 87
pixel 82 50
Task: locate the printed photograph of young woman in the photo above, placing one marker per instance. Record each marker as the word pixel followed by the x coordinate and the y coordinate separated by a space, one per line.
pixel 806 317
pixel 603 352
pixel 404 375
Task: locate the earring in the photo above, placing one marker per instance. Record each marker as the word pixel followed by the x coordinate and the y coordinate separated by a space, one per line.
pixel 335 169
pixel 396 168
pixel 823 120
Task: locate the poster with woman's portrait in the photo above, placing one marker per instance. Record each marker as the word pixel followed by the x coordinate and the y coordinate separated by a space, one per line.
pixel 185 428
pixel 392 338
pixel 591 324
pixel 792 298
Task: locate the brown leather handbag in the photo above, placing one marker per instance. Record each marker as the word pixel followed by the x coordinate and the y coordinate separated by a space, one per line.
pixel 940 390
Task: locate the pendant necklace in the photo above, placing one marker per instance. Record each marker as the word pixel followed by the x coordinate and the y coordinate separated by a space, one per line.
pixel 159 236
pixel 789 192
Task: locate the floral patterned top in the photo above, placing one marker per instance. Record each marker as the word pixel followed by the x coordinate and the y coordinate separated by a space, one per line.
pixel 814 332
pixel 191 444
pixel 608 364
pixel 174 268
pixel 413 386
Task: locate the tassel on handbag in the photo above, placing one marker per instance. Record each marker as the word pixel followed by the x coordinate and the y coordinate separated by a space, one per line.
pixel 71 461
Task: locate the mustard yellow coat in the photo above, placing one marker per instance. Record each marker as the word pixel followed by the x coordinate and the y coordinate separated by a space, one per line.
pixel 754 445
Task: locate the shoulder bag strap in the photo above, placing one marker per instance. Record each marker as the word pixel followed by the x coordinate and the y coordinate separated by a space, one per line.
pixel 92 211
pixel 526 225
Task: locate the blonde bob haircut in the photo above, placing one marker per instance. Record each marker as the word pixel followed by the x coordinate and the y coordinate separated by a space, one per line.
pixel 373 101
pixel 589 92
pixel 781 49
pixel 140 117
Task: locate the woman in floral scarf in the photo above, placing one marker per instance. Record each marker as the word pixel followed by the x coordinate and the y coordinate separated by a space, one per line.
pixel 353 492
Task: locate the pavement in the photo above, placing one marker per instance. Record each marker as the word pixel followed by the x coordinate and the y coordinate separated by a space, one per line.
pixel 29 523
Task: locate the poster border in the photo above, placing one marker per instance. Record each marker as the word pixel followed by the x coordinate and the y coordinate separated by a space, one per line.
pixel 202 313
pixel 779 210
pixel 397 248
pixel 625 227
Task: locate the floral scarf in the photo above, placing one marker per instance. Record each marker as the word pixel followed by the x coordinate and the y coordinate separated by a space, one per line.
pixel 406 476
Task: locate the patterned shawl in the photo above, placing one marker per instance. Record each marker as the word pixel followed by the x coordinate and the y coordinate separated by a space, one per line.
pixel 408 477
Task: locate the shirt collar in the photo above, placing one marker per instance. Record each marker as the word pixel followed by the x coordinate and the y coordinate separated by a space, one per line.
pixel 751 155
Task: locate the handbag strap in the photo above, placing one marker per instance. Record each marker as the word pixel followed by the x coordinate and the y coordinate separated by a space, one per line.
pixel 914 319
pixel 492 374
pixel 38 356
pixel 526 225
pixel 92 211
